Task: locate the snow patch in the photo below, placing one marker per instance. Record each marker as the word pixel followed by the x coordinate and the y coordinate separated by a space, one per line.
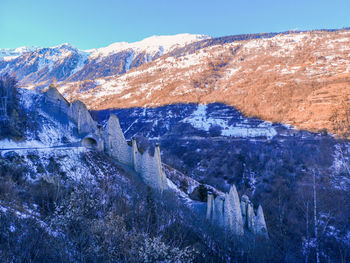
pixel 153 45
pixel 200 120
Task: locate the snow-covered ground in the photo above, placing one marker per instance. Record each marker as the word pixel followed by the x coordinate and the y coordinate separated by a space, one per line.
pixel 154 45
pixel 200 120
pixel 12 53
pixel 5 144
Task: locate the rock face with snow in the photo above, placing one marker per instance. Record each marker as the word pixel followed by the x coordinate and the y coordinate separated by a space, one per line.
pixel 55 99
pixel 82 117
pixel 110 139
pixel 147 165
pixel 259 224
pixel 77 110
pixel 150 167
pixel 232 212
pixel 115 143
pixel 40 66
pixel 235 216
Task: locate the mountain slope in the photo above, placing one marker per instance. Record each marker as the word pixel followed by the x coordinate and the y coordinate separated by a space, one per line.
pixel 41 66
pixel 63 202
pixel 297 78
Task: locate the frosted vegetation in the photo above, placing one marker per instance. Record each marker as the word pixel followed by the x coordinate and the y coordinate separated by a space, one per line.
pixel 76 205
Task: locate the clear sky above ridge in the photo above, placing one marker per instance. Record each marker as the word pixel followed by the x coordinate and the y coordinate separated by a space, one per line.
pixel 97 23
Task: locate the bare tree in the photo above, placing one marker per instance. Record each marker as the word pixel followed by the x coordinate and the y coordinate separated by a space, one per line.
pixel 315 216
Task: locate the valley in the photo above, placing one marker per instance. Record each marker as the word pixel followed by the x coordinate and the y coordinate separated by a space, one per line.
pixel 205 149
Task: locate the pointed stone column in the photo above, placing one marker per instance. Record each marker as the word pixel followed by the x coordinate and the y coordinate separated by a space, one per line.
pixel 135 152
pixel 218 213
pixel 244 206
pixel 250 217
pixel 232 212
pixel 161 178
pixel 260 224
pixel 116 145
pixel 210 206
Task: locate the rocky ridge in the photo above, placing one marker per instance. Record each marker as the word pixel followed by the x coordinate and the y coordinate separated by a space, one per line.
pixel 38 67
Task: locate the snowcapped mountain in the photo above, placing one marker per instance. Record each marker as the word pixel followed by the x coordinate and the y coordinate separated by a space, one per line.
pixel 43 65
pixel 154 46
pixel 12 53
pixel 297 78
pixel 40 66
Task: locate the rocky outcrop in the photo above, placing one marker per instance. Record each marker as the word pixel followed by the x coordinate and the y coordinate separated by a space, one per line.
pixel 115 143
pixel 238 217
pixel 247 213
pixel 260 224
pixel 55 100
pixel 77 111
pixel 110 139
pixel 149 167
pixel 232 212
pixel 218 211
pixel 81 116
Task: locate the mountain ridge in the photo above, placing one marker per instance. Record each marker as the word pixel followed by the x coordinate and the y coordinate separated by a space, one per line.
pixel 289 77
pixel 297 78
pixel 40 66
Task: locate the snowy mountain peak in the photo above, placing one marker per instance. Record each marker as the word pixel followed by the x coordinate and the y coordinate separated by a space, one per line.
pixel 153 44
pixel 169 41
pixel 12 53
pixel 64 46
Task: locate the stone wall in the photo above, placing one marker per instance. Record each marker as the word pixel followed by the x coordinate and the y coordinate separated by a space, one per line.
pixel 234 215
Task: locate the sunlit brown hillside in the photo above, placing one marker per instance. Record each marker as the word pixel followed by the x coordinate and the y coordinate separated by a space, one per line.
pixel 299 79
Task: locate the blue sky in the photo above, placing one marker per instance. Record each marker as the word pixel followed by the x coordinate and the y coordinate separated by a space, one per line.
pixel 96 23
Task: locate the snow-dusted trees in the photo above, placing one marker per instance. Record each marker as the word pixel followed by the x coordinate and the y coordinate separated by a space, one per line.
pixel 104 226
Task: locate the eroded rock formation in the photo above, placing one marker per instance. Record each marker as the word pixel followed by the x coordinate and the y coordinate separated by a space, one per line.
pixel 110 139
pixel 80 114
pixel 234 215
pixel 232 212
pixel 115 143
